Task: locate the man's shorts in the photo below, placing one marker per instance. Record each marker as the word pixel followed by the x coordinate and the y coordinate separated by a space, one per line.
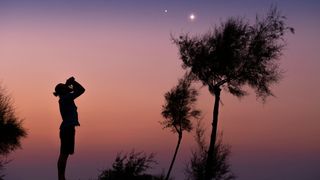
pixel 67 136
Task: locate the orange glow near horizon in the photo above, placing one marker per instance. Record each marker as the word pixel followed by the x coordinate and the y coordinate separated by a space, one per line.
pixel 126 68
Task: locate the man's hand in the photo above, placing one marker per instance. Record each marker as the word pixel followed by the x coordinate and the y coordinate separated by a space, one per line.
pixel 70 81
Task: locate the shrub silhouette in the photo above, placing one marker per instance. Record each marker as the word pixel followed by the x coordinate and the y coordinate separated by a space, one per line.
pixel 130 166
pixel 11 130
pixel 195 169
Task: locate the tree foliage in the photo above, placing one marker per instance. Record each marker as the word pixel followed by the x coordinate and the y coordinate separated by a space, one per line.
pixel 179 109
pixel 237 54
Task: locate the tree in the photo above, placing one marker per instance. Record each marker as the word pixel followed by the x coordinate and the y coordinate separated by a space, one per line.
pixel 234 56
pixel 195 169
pixel 11 130
pixel 130 166
pixel 178 111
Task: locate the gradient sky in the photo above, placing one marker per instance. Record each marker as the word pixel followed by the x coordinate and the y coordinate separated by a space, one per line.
pixel 122 54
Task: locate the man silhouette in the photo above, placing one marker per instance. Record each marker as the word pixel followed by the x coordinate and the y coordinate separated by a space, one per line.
pixel 67 93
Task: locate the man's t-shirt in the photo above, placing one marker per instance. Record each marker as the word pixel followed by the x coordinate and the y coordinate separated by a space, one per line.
pixel 68 111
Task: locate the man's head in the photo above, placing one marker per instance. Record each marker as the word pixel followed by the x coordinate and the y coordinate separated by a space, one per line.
pixel 61 89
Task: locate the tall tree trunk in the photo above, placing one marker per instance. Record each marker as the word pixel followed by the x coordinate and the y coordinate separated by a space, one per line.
pixel 174 156
pixel 210 159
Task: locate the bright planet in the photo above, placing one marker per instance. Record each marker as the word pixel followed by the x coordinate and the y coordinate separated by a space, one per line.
pixel 192 17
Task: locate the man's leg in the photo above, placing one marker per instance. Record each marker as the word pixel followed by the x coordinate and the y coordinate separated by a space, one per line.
pixel 67 136
pixel 62 163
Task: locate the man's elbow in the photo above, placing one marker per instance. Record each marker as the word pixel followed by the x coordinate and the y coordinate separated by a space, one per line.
pixel 82 90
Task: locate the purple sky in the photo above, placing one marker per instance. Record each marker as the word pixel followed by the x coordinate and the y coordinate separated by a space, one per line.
pixel 122 53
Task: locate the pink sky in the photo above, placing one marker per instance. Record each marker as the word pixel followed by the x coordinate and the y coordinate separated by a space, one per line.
pixel 126 69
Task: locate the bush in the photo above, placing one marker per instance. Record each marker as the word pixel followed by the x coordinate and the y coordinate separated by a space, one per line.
pixel 130 166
